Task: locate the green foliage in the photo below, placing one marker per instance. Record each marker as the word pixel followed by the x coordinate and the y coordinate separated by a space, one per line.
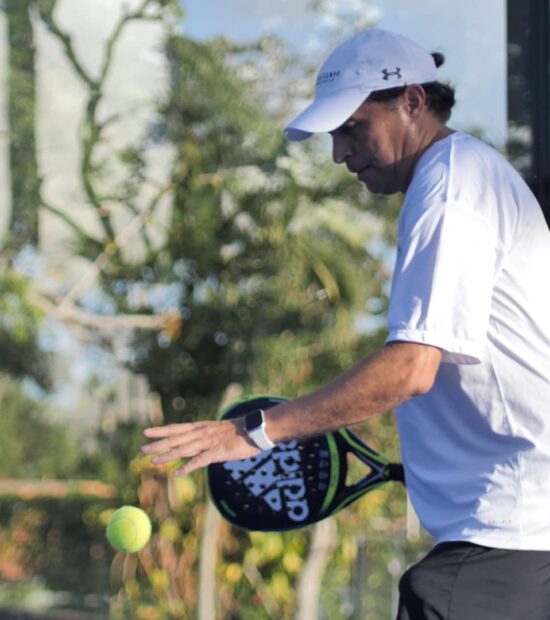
pixel 264 258
pixel 265 262
pixel 217 122
pixel 263 271
pixel 19 328
pixel 114 449
pixel 30 445
pixel 25 181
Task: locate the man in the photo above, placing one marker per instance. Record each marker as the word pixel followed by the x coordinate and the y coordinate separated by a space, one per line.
pixel 467 358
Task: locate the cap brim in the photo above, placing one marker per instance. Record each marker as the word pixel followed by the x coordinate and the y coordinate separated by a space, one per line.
pixel 324 114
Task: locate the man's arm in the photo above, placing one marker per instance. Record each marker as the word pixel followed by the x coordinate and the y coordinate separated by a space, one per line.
pixel 397 372
pixel 392 375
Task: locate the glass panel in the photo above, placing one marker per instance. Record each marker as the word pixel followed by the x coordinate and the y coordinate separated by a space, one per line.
pixel 529 94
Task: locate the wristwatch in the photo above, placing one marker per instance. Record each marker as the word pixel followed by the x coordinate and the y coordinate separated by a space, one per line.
pixel 254 425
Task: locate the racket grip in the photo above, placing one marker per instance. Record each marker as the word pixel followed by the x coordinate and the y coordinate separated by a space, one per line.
pixel 396 472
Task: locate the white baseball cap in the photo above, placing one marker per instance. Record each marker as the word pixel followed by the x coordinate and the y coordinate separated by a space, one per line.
pixel 371 60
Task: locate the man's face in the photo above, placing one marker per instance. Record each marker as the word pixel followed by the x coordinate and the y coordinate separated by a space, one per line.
pixel 377 143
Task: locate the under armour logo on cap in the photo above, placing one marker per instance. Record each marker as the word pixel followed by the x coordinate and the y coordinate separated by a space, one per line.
pixel 387 73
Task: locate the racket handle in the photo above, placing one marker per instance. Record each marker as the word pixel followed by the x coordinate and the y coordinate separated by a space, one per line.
pixel 396 472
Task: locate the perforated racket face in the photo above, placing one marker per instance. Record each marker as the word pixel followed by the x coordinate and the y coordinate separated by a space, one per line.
pixel 285 488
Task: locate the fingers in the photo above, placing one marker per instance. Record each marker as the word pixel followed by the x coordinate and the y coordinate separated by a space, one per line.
pixel 201 460
pixel 179 441
pixel 172 455
pixel 175 435
pixel 202 442
pixel 169 429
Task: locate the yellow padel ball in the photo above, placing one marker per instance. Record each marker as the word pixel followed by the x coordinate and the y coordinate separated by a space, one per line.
pixel 129 529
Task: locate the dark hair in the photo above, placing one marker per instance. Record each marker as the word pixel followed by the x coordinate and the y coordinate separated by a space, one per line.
pixel 440 98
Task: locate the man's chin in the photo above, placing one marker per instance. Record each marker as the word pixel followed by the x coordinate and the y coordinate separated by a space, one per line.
pixel 372 181
pixel 378 188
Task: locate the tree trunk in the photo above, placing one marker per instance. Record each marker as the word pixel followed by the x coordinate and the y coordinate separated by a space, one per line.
pixel 25 181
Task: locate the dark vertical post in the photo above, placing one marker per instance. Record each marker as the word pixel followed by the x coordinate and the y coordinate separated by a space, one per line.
pixel 529 94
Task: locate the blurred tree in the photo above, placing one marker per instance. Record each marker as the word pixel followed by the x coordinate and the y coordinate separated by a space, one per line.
pixel 20 318
pixel 266 259
pixel 19 326
pixel 30 444
pixel 265 241
pixel 25 180
pixel 265 251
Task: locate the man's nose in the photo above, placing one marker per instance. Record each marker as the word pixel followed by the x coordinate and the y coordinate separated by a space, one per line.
pixel 341 149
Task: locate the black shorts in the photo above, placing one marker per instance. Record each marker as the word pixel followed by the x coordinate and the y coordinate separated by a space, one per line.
pixel 463 581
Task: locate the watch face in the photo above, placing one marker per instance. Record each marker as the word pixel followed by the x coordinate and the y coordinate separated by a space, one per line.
pixel 253 420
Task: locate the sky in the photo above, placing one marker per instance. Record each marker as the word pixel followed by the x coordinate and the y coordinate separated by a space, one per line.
pixel 471 34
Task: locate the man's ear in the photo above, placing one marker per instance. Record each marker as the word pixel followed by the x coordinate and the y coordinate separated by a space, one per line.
pixel 415 99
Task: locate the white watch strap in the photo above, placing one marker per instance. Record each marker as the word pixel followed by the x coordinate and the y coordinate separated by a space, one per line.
pixel 260 438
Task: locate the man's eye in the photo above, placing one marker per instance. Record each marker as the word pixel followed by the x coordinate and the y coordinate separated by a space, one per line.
pixel 352 125
pixel 347 127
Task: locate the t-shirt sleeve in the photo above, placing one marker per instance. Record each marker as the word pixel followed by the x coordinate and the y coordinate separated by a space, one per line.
pixel 443 280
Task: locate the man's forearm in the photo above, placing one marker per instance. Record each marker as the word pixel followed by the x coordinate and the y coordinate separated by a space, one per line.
pixel 377 384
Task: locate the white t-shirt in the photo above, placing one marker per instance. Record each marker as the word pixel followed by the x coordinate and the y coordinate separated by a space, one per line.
pixel 472 277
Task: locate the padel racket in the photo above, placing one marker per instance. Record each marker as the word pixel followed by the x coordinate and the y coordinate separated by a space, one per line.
pixel 296 483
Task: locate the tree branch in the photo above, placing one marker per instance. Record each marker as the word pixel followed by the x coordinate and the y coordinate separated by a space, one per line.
pixel 69 313
pixel 96 267
pixel 66 41
pixel 93 126
pixel 63 216
pixel 138 14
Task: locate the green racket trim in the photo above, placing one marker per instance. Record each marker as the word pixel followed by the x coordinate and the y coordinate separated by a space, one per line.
pixel 334 472
pixel 361 448
pixel 247 397
pixel 229 511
